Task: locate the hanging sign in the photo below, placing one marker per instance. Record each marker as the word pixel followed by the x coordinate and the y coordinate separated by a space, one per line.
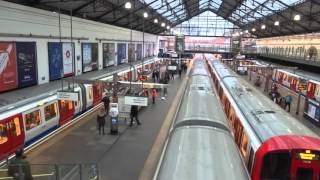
pixel 68 96
pixel 136 100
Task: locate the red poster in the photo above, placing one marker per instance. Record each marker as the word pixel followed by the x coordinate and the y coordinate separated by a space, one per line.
pixel 8 66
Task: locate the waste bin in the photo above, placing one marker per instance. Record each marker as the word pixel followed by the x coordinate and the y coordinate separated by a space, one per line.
pixel 114 121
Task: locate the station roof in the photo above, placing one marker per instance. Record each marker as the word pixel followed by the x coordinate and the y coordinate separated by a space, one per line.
pixel 248 15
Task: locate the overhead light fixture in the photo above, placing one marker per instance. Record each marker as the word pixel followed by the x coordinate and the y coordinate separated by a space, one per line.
pixel 155 21
pixel 253 29
pixel 127 5
pixel 247 31
pixel 168 27
pixel 163 24
pixel 297 17
pixel 241 33
pixel 263 26
pixel 145 14
pixel 54 12
pixel 276 23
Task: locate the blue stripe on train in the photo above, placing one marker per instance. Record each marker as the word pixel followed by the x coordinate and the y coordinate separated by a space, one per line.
pixel 28 143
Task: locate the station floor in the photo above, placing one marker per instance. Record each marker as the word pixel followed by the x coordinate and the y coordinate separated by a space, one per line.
pixel 24 94
pixel 119 157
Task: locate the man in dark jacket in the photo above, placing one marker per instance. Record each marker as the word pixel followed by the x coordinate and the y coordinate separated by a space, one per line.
pixel 106 102
pixel 134 114
pixel 19 168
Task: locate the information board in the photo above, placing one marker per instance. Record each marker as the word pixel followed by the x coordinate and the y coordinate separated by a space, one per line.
pixel 136 100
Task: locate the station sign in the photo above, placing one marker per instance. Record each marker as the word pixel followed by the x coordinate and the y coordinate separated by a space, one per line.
pixel 68 96
pixel 136 100
pixel 173 68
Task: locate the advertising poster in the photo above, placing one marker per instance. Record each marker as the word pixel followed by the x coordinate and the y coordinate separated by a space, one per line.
pixel 139 51
pixel 179 43
pixel 86 57
pixel 8 66
pixel 122 53
pixel 95 56
pixel 67 58
pixel 109 56
pixel 55 60
pixel 132 50
pixel 27 63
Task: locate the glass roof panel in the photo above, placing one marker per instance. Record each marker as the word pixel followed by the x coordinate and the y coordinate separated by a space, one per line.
pixel 250 10
pixel 206 24
pixel 168 8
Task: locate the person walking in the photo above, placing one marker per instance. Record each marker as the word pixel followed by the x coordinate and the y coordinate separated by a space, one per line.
pixel 19 168
pixel 134 114
pixel 288 101
pixel 172 74
pixel 101 120
pixel 154 76
pixel 154 95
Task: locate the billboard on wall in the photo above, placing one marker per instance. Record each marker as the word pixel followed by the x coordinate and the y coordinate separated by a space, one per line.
pixel 139 51
pixel 27 63
pixel 207 43
pixel 95 56
pixel 55 60
pixel 89 57
pixel 179 43
pixel 67 58
pixel 122 52
pixel 109 56
pixel 8 66
pixel 131 52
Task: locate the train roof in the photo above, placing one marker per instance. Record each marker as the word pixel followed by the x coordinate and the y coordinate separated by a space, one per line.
pixel 265 117
pixel 202 153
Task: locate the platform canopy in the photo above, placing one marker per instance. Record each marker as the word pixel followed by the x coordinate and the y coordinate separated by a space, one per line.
pixel 262 18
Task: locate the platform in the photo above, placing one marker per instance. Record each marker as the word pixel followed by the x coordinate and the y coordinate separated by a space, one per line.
pixel 8 99
pixel 119 157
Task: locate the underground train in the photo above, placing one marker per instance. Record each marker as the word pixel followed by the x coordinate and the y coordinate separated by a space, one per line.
pixel 273 144
pixel 200 144
pixel 22 126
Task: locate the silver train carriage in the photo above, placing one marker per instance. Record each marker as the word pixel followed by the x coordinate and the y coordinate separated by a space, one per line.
pixel 200 145
pixel 265 133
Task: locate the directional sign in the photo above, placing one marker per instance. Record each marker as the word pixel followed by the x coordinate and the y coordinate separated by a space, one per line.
pixel 69 96
pixel 136 100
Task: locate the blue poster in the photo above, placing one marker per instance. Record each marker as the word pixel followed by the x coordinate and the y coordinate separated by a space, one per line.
pixel 27 63
pixel 86 57
pixel 55 60
pixel 122 52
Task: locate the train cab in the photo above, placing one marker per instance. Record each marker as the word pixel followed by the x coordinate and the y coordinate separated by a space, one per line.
pixel 289 157
pixel 89 95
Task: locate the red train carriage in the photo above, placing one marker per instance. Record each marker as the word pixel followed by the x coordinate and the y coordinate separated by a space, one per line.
pixel 273 144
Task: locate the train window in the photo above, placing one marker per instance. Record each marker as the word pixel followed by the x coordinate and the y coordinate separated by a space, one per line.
pixel 276 166
pixel 90 92
pixel 304 174
pixel 32 119
pixel 15 126
pixel 3 134
pixel 66 105
pixel 50 111
pixel 250 161
pixel 244 144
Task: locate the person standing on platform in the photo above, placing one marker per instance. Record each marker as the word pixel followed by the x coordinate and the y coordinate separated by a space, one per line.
pixel 154 95
pixel 157 75
pixel 154 76
pixel 172 74
pixel 101 120
pixel 288 101
pixel 134 114
pixel 19 168
pixel 106 102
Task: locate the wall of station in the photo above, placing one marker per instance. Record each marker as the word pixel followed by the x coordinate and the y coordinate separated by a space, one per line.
pixel 94 45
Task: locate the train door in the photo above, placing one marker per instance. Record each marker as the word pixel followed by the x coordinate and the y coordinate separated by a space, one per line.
pixel 32 121
pixel 66 110
pixel 51 116
pixel 89 95
pixel 83 97
pixel 97 94
pixel 305 166
pixel 5 147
